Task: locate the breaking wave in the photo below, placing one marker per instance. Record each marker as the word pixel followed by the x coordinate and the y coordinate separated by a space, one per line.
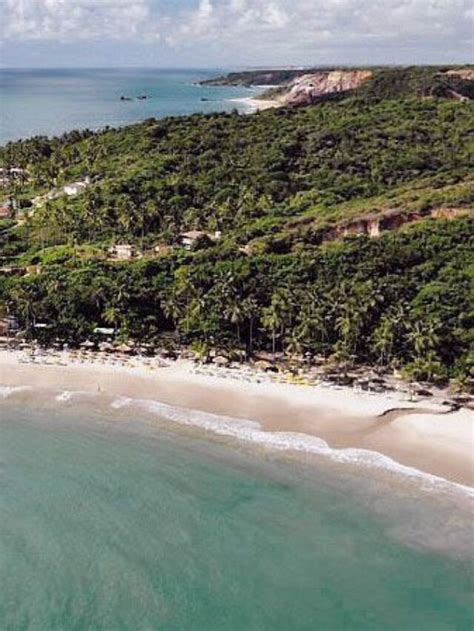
pixel 7 391
pixel 251 431
pixel 68 395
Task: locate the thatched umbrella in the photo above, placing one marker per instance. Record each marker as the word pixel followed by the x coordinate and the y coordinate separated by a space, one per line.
pixel 262 364
pixel 269 357
pixel 106 346
pixel 123 348
pixel 220 360
pixel 87 344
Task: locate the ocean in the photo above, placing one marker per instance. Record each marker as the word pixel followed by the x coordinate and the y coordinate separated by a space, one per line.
pixel 112 519
pixel 50 102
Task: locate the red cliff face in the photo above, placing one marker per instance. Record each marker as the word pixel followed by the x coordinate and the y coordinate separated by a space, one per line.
pixel 464 73
pixel 310 87
pixel 393 219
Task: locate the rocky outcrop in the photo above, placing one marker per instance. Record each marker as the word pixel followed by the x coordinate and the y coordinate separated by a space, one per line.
pixel 467 74
pixel 312 87
pixel 272 76
pixel 393 219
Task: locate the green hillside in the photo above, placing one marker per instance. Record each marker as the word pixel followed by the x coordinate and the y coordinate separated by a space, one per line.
pixel 295 194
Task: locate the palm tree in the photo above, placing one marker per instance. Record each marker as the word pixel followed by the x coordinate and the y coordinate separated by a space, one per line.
pixel 424 337
pixel 111 315
pixel 293 344
pixel 271 321
pixel 387 334
pixel 311 324
pixel 171 308
pixel 25 306
pixel 236 315
pixel 250 306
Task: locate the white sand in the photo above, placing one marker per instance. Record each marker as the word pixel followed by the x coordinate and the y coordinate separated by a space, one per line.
pixel 439 444
pixel 255 105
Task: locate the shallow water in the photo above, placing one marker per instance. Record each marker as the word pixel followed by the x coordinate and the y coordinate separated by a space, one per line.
pixel 109 521
pixel 52 101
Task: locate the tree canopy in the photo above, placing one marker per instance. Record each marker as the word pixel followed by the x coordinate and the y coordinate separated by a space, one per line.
pixel 289 273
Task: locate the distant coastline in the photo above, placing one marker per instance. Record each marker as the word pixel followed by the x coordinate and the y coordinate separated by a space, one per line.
pixel 56 101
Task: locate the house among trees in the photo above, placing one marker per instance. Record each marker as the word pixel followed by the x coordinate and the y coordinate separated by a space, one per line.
pixel 9 326
pixel 8 207
pixel 14 173
pixel 77 187
pixel 5 211
pixel 189 239
pixel 123 252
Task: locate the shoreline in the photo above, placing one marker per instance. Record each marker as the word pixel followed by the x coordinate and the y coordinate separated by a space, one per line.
pixel 253 104
pixel 383 430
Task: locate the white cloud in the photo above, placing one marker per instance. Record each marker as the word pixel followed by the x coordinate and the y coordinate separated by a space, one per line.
pixel 258 30
pixel 74 19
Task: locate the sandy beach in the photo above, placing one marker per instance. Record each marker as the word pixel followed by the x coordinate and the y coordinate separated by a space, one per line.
pixel 341 422
pixel 252 104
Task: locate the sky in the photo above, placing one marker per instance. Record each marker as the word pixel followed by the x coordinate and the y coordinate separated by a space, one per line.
pixel 233 33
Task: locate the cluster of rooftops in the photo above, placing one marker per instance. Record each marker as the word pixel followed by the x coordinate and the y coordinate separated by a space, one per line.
pixel 127 251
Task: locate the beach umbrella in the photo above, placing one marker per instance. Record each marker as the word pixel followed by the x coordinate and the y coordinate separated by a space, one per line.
pixel 123 348
pixel 220 360
pixel 106 346
pixel 87 344
pixel 262 364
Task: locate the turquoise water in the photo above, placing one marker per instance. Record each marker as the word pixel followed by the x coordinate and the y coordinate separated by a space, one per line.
pixel 109 522
pixel 54 101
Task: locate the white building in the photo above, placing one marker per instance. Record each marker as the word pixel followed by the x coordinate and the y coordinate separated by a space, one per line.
pixel 77 187
pixel 188 239
pixel 123 252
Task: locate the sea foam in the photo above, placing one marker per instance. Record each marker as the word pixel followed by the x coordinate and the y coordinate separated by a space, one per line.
pixel 7 391
pixel 68 395
pixel 251 431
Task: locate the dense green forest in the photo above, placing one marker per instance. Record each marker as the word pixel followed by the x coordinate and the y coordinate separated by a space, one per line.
pixel 295 269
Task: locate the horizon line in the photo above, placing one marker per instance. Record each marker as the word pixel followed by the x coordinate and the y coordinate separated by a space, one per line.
pixel 242 68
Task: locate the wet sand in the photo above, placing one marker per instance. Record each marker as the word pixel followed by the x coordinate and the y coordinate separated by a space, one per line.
pixel 420 435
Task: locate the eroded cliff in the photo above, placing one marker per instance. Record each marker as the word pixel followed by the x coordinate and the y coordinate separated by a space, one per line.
pixel 312 87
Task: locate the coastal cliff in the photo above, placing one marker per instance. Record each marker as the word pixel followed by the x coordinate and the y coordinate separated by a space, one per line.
pixel 311 87
pixel 299 86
